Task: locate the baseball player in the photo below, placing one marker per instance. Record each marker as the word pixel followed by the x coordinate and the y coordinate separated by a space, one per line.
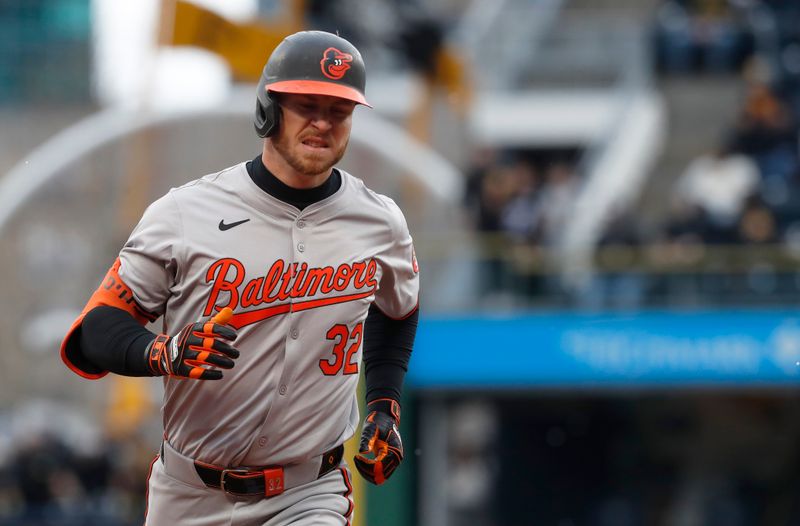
pixel 274 277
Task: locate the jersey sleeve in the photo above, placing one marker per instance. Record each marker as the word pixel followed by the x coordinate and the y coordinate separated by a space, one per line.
pixel 398 293
pixel 149 259
pixel 138 282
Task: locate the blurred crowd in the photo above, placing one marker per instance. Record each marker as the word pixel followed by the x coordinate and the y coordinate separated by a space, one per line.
pixel 743 191
pixel 679 459
pixel 519 201
pixel 47 483
pixel 747 189
pixel 702 35
pixel 62 471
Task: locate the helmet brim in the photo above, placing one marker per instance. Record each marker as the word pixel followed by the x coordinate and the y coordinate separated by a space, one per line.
pixel 318 87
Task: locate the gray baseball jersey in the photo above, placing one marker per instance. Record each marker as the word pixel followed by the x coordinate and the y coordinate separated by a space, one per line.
pixel 300 284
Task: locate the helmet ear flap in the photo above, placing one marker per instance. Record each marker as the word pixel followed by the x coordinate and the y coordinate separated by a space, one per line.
pixel 267 117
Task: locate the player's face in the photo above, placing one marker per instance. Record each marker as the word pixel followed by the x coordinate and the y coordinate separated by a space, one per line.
pixel 313 133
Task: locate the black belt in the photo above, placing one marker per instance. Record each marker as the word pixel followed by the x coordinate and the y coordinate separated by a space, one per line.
pixel 267 481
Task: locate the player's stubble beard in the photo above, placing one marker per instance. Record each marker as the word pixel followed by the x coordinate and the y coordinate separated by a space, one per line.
pixel 306 163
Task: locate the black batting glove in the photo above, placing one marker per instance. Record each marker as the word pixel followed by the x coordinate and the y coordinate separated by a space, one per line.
pixel 381 449
pixel 197 351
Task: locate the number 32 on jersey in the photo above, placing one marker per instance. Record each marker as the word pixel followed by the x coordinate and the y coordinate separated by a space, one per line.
pixel 340 360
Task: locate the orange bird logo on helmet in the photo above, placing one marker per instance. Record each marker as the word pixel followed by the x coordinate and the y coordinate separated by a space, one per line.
pixel 334 63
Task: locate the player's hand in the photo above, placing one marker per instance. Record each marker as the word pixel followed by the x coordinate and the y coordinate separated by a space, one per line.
pixel 197 351
pixel 381 449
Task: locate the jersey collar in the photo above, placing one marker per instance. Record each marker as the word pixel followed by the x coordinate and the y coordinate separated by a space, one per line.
pixel 297 197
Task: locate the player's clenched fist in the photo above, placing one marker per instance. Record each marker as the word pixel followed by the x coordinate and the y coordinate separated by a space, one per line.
pixel 381 449
pixel 197 351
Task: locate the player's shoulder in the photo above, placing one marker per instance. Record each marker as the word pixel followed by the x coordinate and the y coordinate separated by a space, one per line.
pixel 370 200
pixel 212 181
pixel 194 193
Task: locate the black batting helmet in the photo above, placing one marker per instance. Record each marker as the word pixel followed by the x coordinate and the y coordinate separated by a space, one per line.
pixel 313 63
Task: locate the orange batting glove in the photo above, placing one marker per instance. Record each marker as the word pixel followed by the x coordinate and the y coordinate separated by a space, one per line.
pixel 197 351
pixel 381 449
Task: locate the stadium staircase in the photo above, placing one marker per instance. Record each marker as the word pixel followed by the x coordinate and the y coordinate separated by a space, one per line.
pixel 700 110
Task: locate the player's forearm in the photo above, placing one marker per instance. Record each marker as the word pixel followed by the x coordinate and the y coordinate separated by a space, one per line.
pixel 114 341
pixel 387 350
pixel 384 379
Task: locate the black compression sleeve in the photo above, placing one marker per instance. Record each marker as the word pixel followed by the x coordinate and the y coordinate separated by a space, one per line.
pixel 114 341
pixel 387 351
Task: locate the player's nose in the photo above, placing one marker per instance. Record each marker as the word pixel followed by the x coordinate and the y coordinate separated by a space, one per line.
pixel 322 121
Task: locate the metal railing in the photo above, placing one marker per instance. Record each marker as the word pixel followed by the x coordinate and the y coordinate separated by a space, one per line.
pixel 514 275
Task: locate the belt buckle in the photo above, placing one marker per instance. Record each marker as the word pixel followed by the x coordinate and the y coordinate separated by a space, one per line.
pixel 222 478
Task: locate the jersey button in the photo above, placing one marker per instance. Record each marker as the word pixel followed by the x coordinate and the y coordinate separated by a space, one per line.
pixel 301 247
pixel 295 334
pixel 262 441
pixel 301 223
pixel 282 390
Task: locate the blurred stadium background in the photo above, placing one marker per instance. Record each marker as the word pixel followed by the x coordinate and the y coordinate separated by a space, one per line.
pixel 605 200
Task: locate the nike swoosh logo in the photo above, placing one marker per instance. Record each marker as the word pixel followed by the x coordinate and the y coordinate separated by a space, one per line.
pixel 227 226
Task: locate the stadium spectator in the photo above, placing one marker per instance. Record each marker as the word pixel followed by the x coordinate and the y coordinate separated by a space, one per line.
pixel 558 197
pixel 699 36
pixel 767 131
pixel 49 479
pixel 614 287
pixel 757 224
pixel 522 216
pixel 710 195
